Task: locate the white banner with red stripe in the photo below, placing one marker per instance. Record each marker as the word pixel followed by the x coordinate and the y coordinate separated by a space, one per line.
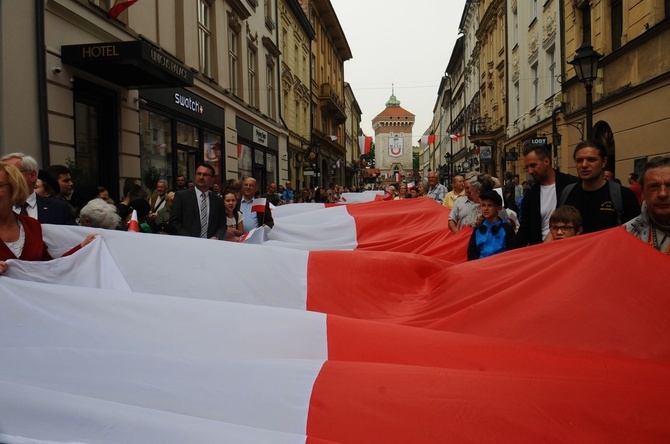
pixel 388 336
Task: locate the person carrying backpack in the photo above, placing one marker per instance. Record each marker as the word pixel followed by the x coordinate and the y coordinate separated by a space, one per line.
pixel 603 204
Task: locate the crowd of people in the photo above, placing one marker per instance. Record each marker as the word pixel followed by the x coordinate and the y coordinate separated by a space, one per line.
pixel 551 206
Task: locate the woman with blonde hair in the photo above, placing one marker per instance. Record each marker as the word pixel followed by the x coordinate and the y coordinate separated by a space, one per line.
pixel 20 234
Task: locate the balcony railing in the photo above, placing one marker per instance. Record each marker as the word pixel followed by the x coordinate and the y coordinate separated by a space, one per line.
pixel 332 101
pixel 480 126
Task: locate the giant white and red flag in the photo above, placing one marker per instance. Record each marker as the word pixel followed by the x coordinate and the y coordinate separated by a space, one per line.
pixel 351 323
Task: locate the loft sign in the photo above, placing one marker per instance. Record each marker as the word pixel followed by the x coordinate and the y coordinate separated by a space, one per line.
pixel 189 103
pixel 538 141
pixel 260 136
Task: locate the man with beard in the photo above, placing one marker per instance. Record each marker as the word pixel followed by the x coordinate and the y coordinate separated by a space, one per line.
pixel 542 198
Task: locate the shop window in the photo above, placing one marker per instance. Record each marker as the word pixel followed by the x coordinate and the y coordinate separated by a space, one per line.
pixel 156 145
pixel 212 152
pixel 244 163
pixel 187 135
pixel 271 169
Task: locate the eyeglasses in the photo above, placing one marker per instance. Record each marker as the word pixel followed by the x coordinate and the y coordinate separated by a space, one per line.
pixel 561 227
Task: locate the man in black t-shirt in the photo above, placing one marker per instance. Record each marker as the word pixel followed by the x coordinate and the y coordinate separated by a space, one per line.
pixel 592 196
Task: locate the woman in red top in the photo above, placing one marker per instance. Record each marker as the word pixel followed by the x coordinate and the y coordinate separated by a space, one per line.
pixel 21 235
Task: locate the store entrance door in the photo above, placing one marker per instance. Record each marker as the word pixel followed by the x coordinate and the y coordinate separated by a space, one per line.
pixel 96 142
pixel 187 161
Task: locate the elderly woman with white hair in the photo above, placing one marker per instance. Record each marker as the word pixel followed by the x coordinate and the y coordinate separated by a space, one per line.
pixel 99 214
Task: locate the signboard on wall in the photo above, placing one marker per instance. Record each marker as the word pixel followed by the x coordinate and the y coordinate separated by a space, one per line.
pixel 396 146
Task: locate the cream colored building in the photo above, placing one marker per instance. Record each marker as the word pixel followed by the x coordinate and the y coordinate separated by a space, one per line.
pixel 330 50
pixel 295 40
pixel 166 85
pixel 352 130
pixel 488 128
pixel 535 108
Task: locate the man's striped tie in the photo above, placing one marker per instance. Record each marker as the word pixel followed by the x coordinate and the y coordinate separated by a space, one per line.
pixel 203 215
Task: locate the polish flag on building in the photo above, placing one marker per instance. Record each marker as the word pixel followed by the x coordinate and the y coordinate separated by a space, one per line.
pixel 239 150
pixel 312 344
pixel 119 7
pixel 455 137
pixel 258 204
pixel 398 177
pixel 365 144
pixel 427 139
pixel 333 137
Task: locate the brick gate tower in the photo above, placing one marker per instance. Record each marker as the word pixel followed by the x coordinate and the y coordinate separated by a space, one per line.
pixel 393 141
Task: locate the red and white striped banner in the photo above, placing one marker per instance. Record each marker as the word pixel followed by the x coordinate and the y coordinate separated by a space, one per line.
pixel 373 334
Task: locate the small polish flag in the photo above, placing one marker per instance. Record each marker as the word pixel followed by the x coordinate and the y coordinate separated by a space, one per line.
pixel 364 144
pixel 258 205
pixel 410 185
pixel 134 224
pixel 118 8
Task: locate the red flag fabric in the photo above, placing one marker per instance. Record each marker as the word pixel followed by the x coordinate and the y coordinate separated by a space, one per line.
pixel 258 205
pixel 118 8
pixel 431 139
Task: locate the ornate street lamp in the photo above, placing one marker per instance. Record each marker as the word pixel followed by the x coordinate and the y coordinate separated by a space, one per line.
pixel 586 63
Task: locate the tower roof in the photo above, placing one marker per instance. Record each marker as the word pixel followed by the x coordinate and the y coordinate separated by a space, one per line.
pixel 393 108
pixel 392 100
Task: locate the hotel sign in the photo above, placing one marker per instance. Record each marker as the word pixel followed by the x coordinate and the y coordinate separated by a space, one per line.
pixel 135 64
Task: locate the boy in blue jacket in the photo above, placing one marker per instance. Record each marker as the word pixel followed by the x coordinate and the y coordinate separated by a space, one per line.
pixel 492 235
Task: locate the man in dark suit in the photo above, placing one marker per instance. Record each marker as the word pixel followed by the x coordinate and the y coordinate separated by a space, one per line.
pixel 197 212
pixel 45 209
pixel 543 196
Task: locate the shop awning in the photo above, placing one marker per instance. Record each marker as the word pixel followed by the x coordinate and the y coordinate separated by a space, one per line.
pixel 135 64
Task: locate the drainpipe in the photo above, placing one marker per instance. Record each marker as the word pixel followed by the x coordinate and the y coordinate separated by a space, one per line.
pixel 41 82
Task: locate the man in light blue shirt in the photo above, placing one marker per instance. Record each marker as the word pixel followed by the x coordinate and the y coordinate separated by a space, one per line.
pixel 253 219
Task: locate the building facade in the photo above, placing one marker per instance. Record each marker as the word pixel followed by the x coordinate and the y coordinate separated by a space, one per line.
pixel 631 94
pixel 295 40
pixel 166 85
pixel 330 49
pixel 352 131
pixel 534 80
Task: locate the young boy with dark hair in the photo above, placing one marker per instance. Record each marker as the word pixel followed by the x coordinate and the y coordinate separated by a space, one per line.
pixel 565 221
pixel 493 235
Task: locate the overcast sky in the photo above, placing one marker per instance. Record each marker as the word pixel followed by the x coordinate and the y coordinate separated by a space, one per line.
pixel 403 43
